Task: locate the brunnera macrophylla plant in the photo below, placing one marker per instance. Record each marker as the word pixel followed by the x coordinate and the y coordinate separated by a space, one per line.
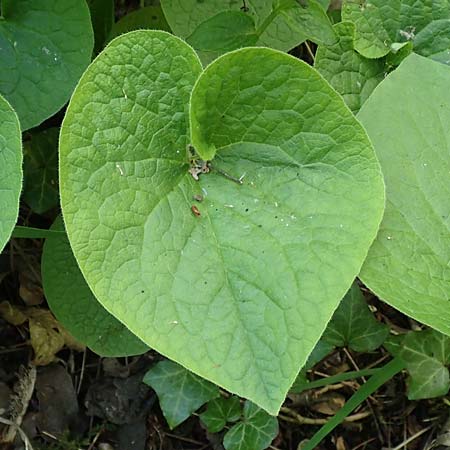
pixel 220 214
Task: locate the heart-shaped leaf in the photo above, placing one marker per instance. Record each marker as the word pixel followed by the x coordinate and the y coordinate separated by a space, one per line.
pixel 10 170
pixel 73 304
pixel 381 24
pixel 238 287
pixel 406 118
pixel 45 45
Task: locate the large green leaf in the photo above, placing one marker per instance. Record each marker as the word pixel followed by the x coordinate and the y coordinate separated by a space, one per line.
pixel 353 324
pixel 10 170
pixel 352 75
pixel 180 392
pixel 381 23
pixel 73 304
pixel 426 355
pixel 40 168
pixel 45 45
pixel 255 432
pixel 406 118
pixel 240 291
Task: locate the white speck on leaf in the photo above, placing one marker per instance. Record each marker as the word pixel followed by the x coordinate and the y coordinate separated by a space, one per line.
pixel 120 169
pixel 229 206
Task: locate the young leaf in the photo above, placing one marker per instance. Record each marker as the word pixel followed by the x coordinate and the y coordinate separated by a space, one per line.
pixel 150 17
pixel 102 16
pixel 354 325
pixel 73 304
pixel 44 45
pixel 426 355
pixel 237 288
pixel 180 392
pixel 40 167
pixel 255 432
pixel 406 119
pixel 225 31
pixel 380 24
pixel 220 411
pixel 10 170
pixel 352 75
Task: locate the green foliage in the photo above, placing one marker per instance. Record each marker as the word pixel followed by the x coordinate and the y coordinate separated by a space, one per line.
pixel 405 118
pixel 426 355
pixel 219 412
pixel 150 17
pixel 223 32
pixel 380 25
pixel 45 46
pixel 255 431
pixel 180 392
pixel 352 75
pixel 40 168
pixel 219 26
pixel 73 304
pixel 10 170
pixel 354 325
pixel 222 293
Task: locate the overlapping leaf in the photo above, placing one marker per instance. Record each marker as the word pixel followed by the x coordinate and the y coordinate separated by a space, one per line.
pixel 352 75
pixel 381 24
pixel 426 355
pixel 406 118
pixel 240 291
pixel 45 45
pixel 354 325
pixel 255 431
pixel 220 411
pixel 73 304
pixel 10 170
pixel 180 392
pixel 281 24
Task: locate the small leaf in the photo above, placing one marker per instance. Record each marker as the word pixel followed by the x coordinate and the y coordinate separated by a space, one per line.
pixel 220 411
pixel 150 17
pixel 41 170
pixel 426 355
pixel 352 75
pixel 180 392
pixel 379 24
pixel 406 117
pixel 354 325
pixel 255 432
pixel 10 170
pixel 225 31
pixel 73 304
pixel 45 45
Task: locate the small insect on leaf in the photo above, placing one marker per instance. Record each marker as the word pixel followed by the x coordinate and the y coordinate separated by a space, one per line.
pixel 195 211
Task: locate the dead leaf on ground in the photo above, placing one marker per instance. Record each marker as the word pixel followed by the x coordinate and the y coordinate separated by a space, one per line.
pixel 47 336
pixel 30 289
